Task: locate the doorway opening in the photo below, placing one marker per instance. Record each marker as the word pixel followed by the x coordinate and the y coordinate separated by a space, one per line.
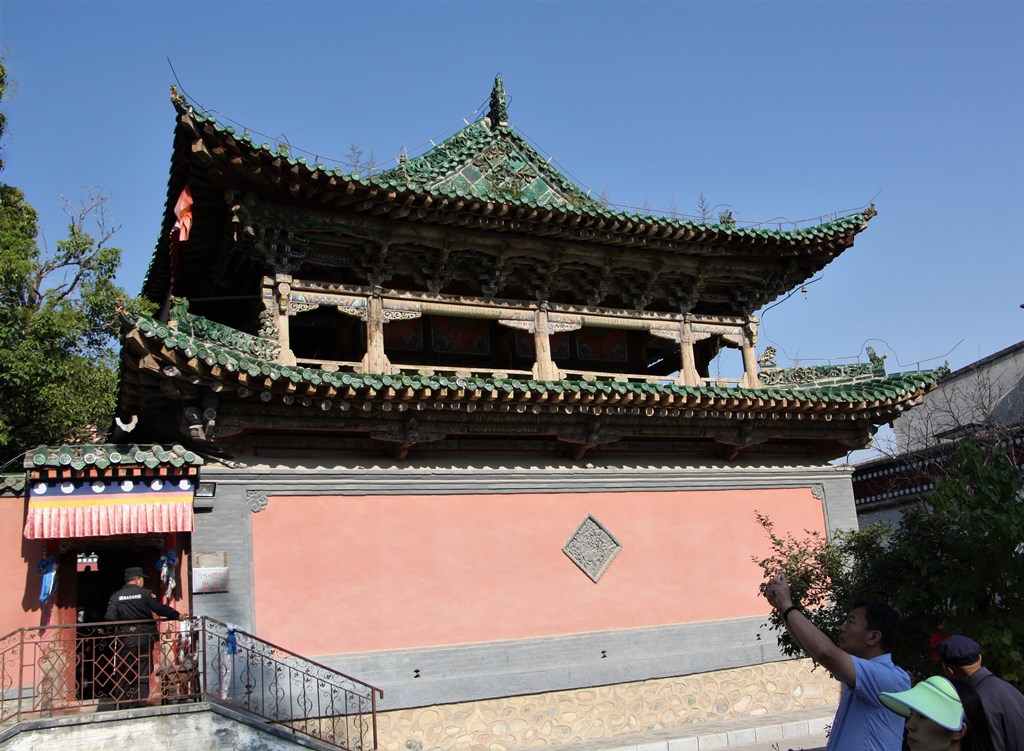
pixel 98 565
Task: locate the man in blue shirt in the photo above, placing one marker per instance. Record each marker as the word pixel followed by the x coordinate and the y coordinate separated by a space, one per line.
pixel 861 662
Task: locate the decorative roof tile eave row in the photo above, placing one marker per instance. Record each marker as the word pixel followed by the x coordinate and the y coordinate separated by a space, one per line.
pixel 170 355
pixel 12 484
pixel 110 457
pixel 435 204
pixel 930 459
pixel 896 497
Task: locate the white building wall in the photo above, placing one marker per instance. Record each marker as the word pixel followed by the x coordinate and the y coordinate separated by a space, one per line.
pixel 964 398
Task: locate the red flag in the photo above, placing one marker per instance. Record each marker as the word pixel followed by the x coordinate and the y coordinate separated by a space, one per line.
pixel 183 210
pixel 173 247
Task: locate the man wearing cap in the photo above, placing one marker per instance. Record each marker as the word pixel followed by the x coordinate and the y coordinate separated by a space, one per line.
pixel 862 662
pixel 1002 706
pixel 133 602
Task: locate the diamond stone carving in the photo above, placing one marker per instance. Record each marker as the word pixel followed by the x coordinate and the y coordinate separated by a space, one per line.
pixel 592 547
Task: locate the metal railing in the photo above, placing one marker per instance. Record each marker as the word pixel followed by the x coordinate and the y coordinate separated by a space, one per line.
pixel 55 671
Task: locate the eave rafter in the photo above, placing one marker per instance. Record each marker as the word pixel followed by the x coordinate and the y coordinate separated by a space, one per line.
pixel 333 190
pixel 678 278
pixel 212 158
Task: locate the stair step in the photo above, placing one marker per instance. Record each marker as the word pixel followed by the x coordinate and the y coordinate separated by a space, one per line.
pixel 799 730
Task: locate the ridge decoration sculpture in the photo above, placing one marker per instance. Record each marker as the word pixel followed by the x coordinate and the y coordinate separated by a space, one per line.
pixel 814 373
pixel 772 376
pixel 420 171
pixel 268 324
pixel 504 174
pixel 501 158
pixel 217 333
pixel 498 112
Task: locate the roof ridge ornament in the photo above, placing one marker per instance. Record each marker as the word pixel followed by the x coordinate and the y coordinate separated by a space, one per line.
pixel 498 113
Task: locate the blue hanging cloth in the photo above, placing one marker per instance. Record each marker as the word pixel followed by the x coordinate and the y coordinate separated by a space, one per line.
pixel 232 644
pixel 48 568
pixel 166 566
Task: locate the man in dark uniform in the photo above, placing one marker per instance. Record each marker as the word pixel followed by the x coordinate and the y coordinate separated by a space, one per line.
pixel 133 602
pixel 1001 705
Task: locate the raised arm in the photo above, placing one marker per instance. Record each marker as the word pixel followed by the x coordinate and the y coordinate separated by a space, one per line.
pixel 809 637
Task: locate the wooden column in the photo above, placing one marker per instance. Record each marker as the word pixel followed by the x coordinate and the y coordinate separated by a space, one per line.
pixel 681 334
pixel 544 368
pixel 688 365
pixel 282 292
pixel 542 327
pixel 375 360
pixel 750 377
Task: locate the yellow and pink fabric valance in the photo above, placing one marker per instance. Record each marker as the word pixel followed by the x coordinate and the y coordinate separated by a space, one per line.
pixel 99 507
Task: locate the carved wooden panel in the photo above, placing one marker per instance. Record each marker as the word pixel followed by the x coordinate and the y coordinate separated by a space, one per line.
pixel 404 335
pixel 601 345
pixel 464 336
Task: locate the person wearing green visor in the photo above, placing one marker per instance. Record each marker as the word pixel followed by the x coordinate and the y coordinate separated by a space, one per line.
pixel 935 716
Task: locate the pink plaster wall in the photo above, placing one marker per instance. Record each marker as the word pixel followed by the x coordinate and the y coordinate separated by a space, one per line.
pixel 353 574
pixel 19 582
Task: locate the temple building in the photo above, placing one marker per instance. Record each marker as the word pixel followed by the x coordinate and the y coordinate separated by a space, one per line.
pixel 982 401
pixel 457 428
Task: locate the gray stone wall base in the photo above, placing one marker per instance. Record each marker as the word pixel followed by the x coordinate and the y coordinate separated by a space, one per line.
pixel 470 672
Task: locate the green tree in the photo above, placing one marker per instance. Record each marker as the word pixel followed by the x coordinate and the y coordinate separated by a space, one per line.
pixel 955 564
pixel 58 323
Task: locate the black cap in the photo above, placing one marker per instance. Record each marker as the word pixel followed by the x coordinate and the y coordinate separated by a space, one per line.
pixel 133 572
pixel 959 651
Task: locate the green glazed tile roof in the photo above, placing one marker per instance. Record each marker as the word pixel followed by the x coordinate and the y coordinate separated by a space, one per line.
pixel 305 385
pixel 487 162
pixel 12 484
pixel 105 456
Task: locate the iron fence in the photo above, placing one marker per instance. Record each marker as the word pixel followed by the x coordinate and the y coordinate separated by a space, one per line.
pixel 93 667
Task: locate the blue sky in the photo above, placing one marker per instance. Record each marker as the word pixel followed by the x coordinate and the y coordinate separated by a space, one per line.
pixel 776 109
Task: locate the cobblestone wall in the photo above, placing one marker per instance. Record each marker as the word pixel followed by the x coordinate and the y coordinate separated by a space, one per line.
pixel 539 720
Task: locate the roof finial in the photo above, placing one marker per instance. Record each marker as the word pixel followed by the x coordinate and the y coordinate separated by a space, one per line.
pixel 499 108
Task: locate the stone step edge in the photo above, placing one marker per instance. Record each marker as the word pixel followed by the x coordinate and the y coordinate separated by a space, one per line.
pixel 739 738
pixel 723 734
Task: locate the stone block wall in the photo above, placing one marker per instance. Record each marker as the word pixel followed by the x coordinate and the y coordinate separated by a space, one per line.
pixel 503 724
pixel 549 719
